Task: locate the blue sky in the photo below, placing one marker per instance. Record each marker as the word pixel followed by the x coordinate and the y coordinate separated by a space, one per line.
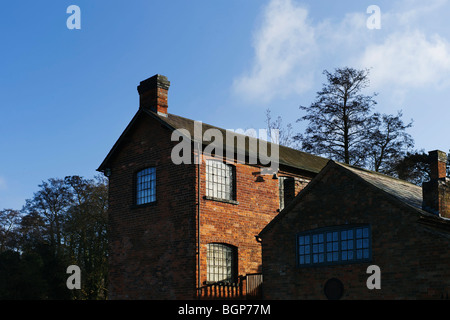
pixel 67 95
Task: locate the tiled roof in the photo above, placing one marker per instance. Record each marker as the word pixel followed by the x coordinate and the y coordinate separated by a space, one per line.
pixel 404 191
pixel 287 156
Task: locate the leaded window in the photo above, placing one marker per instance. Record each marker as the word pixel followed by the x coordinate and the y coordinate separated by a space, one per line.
pixel 336 245
pixel 220 180
pixel 146 186
pixel 221 263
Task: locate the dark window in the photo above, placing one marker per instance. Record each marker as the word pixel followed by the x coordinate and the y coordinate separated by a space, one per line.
pixel 146 186
pixel 337 245
pixel 286 190
pixel 333 289
pixel 220 180
pixel 221 263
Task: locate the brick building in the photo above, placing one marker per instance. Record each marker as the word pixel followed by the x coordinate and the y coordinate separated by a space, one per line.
pixel 347 219
pixel 174 228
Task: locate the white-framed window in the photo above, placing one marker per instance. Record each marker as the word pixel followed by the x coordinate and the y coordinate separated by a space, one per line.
pixel 221 263
pixel 334 245
pixel 146 186
pixel 220 180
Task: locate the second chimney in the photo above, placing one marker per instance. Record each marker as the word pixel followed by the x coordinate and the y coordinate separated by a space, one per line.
pixel 153 94
pixel 436 192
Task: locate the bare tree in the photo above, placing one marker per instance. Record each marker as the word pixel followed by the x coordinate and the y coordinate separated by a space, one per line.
pixel 389 141
pixel 285 133
pixel 341 124
pixel 337 120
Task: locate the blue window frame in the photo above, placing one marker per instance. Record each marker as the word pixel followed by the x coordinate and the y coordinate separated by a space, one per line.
pixel 334 245
pixel 146 186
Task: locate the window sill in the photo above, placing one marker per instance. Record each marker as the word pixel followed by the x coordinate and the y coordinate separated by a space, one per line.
pixel 221 200
pixel 144 205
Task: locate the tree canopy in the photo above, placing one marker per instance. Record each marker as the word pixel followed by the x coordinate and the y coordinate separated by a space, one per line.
pixel 342 126
pixel 63 224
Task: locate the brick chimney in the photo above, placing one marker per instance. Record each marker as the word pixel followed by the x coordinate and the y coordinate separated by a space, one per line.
pixel 153 94
pixel 436 192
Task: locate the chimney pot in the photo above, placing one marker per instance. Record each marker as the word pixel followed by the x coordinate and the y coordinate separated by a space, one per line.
pixel 153 94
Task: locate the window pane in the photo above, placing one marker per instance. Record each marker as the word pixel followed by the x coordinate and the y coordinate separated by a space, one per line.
pixel 366 253
pixel 335 236
pixel 365 243
pixel 344 255
pixel 330 246
pixel 219 180
pixel 220 262
pixel 307 259
pixel 315 258
pixel 329 256
pixel 358 254
pixel 344 244
pixel 350 245
pixel 329 237
pixel 335 256
pixel 146 186
pixel 301 240
pixel 315 238
pixel 315 248
pixel 335 246
pixel 365 232
pixel 358 233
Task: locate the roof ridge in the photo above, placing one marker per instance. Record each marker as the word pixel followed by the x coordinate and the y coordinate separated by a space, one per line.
pixel 237 133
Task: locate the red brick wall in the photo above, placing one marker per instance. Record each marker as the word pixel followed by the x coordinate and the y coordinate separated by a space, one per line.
pixel 413 258
pixel 238 224
pixel 436 196
pixel 153 248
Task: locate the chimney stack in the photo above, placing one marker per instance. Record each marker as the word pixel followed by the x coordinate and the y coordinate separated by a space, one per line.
pixel 153 94
pixel 438 164
pixel 436 192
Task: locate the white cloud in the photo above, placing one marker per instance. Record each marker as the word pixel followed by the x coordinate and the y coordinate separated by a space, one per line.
pixel 284 47
pixel 412 12
pixel 408 59
pixel 406 53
